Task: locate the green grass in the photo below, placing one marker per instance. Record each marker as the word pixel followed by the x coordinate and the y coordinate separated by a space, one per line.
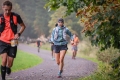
pixel 46 46
pixel 25 60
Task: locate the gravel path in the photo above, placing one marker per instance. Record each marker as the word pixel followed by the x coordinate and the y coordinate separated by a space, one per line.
pixel 48 70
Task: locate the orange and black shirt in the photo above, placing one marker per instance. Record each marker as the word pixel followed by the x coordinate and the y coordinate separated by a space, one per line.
pixel 7 35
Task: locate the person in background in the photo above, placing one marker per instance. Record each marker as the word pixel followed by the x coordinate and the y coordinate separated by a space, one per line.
pixel 38 44
pixel 52 51
pixel 75 46
pixel 52 47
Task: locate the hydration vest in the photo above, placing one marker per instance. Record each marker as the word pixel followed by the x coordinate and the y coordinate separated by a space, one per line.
pixel 12 25
pixel 57 31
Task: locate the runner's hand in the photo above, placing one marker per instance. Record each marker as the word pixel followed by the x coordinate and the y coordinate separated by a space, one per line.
pixel 72 42
pixel 16 36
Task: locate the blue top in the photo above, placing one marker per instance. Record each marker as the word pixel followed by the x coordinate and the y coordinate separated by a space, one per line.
pixel 58 36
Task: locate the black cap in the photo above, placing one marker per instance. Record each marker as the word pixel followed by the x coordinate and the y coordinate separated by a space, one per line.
pixel 61 20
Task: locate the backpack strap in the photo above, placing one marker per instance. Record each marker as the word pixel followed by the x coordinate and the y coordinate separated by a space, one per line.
pixel 2 18
pixel 2 24
pixel 13 26
pixel 56 33
pixel 64 33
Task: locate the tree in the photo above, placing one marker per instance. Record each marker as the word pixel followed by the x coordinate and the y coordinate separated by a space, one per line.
pixel 1 1
pixel 101 19
pixel 33 17
pixel 41 19
pixel 70 21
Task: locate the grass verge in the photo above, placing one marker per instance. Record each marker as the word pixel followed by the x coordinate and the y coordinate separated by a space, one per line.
pixel 25 60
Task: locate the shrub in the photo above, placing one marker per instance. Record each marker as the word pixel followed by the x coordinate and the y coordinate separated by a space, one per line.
pixel 108 55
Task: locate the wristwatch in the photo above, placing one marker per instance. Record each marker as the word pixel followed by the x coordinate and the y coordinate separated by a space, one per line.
pixel 19 34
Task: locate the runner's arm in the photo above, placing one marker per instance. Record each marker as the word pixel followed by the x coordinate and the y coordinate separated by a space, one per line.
pixel 22 28
pixel 22 25
pixel 52 36
pixel 70 34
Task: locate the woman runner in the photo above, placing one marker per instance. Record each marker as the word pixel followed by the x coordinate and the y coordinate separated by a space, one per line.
pixel 58 37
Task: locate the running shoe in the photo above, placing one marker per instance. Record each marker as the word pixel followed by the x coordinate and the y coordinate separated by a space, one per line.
pixel 59 73
pixel 8 70
pixel 53 59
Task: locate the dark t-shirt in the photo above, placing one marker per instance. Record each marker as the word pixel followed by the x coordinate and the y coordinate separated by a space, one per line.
pixel 38 42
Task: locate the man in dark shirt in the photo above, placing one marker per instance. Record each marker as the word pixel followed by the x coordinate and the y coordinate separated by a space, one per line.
pixel 8 37
pixel 38 44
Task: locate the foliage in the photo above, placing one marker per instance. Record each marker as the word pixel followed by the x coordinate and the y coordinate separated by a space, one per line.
pixel 41 20
pixel 116 68
pixel 101 73
pixel 108 55
pixel 101 19
pixel 34 16
pixel 70 21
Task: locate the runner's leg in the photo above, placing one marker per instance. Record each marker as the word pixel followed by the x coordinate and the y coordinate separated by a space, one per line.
pixel 62 55
pixel 10 58
pixel 10 61
pixel 75 53
pixel 72 54
pixel 38 49
pixel 52 53
pixel 9 64
pixel 57 58
pixel 3 65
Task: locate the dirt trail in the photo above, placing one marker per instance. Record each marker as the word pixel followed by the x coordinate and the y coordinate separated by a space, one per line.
pixel 48 70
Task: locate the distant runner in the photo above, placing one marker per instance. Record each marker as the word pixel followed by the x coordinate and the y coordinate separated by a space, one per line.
pixel 74 46
pixel 38 44
pixel 52 47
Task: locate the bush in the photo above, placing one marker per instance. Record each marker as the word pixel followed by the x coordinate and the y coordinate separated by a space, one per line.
pixel 108 55
pixel 115 73
pixel 87 49
pixel 111 56
pixel 101 73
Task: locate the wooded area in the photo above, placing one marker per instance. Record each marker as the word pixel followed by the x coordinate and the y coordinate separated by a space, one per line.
pixel 34 16
pixel 38 20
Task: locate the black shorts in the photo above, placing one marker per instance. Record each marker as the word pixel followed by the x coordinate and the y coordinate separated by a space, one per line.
pixel 38 46
pixel 6 48
pixel 52 47
pixel 58 48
